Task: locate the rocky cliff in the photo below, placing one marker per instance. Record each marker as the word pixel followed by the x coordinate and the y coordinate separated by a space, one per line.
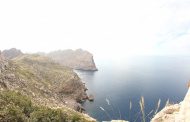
pixel 175 113
pixel 44 81
pixel 12 53
pixel 78 59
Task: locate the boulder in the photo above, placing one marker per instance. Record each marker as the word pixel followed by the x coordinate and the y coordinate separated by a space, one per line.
pixel 91 97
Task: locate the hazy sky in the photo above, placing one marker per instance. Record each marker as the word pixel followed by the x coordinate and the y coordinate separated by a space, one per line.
pixel 104 27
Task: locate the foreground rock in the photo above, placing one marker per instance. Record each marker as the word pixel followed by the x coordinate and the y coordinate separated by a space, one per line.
pixel 175 113
pixel 47 83
pixel 78 59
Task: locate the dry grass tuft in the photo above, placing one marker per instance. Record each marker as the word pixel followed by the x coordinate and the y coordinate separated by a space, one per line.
pixel 119 113
pixel 105 112
pixel 157 107
pixel 108 102
pixel 149 113
pixel 167 103
pixel 142 107
pixel 130 110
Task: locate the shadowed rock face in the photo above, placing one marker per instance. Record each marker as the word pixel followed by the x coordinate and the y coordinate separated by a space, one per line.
pixel 12 53
pixel 78 59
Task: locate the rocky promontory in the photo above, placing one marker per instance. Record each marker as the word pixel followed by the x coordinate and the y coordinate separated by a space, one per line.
pixel 175 113
pixel 78 59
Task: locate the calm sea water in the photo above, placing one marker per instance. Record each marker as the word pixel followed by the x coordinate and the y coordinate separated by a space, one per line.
pixel 125 80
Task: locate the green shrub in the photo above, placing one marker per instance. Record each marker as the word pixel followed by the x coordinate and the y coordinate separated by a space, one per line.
pixel 15 107
pixel 75 118
pixel 44 114
pixel 12 113
pixel 7 97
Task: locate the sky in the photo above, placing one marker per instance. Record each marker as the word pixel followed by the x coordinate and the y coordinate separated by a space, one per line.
pixel 103 27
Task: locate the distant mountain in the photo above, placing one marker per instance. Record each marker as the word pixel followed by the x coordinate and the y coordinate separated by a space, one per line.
pixel 44 81
pixel 12 53
pixel 78 59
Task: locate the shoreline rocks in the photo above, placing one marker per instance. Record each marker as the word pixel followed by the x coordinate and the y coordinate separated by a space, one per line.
pixel 91 97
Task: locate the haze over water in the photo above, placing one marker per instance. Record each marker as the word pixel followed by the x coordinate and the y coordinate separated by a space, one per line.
pixel 122 81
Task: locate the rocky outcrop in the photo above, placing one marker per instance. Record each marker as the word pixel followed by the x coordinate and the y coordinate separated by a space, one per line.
pixel 91 97
pixel 3 67
pixel 78 59
pixel 175 113
pixel 12 53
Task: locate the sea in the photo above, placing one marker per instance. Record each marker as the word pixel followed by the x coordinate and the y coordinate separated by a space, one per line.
pixel 119 82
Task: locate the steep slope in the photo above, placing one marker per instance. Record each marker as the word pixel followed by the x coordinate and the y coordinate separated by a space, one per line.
pixel 78 59
pixel 44 81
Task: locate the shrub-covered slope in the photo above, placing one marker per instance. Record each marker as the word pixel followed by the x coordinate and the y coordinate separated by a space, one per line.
pixel 16 107
pixel 43 81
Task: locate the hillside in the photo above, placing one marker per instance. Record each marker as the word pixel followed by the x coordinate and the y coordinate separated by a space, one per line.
pixel 15 107
pixel 78 59
pixel 42 80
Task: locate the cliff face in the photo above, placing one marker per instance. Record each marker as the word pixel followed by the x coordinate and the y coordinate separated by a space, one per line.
pixel 78 59
pixel 175 113
pixel 44 81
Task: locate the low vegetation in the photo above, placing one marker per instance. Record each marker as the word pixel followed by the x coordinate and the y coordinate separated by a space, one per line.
pixel 18 108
